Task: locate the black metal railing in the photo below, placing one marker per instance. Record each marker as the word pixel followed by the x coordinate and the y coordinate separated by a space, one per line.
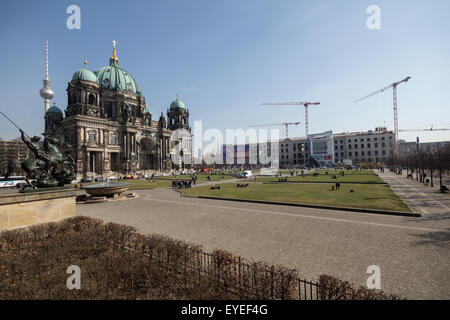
pixel 235 275
pixel 308 290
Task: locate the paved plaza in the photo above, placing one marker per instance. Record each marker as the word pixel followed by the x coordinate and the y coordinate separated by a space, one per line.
pixel 421 198
pixel 413 253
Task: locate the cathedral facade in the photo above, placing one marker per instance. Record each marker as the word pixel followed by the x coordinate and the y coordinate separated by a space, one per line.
pixel 109 129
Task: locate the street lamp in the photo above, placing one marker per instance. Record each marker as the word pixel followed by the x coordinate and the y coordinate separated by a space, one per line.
pixel 160 155
pixel 439 150
pixel 213 156
pixel 93 166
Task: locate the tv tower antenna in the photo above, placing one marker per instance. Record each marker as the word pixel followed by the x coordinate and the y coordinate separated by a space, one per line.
pixel 46 92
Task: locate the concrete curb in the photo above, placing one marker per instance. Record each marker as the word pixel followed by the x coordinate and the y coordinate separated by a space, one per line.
pixel 144 189
pixel 314 206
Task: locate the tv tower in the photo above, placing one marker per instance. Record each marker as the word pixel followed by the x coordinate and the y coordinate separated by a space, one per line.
pixel 46 92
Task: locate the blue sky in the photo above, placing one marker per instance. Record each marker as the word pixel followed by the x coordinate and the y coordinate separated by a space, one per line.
pixel 226 57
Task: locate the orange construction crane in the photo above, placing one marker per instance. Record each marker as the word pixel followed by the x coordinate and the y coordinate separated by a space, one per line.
pixel 286 124
pixel 299 103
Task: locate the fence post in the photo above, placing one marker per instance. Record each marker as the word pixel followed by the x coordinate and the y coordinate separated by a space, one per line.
pixel 317 291
pixel 239 273
pixel 271 281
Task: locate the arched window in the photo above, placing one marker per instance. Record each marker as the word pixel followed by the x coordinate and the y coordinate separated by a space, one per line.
pixel 91 99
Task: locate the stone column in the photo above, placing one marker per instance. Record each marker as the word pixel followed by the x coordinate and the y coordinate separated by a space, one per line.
pixel 80 136
pixel 102 161
pixel 88 161
pixel 125 142
pixel 106 137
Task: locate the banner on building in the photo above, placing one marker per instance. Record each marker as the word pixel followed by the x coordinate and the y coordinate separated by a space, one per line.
pixel 322 148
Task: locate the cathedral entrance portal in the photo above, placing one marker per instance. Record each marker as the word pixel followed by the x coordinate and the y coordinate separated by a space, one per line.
pixel 95 162
pixel 148 154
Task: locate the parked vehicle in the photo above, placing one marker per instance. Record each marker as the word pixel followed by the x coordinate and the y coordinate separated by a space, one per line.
pixel 11 182
pixel 244 175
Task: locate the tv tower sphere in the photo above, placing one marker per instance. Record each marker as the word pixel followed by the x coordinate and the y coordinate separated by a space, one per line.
pixel 46 92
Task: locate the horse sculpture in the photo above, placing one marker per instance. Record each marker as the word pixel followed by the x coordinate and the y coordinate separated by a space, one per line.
pixel 49 167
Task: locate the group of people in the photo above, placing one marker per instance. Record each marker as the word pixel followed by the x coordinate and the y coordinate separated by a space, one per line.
pixel 242 185
pixel 182 184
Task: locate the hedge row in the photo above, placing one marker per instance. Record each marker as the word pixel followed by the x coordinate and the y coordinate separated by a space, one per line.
pixel 331 288
pixel 116 262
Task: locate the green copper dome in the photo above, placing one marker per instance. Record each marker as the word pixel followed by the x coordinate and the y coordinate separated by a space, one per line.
pixel 55 110
pixel 84 74
pixel 177 103
pixel 117 79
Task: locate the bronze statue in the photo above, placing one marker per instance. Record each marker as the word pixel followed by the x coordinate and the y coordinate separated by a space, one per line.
pixel 49 167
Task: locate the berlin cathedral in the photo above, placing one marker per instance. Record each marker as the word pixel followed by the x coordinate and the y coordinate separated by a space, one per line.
pixel 108 128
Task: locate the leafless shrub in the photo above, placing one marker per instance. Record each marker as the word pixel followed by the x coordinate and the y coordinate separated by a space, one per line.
pixel 118 263
pixel 331 288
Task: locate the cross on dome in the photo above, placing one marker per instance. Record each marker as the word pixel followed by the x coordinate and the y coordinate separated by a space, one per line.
pixel 114 56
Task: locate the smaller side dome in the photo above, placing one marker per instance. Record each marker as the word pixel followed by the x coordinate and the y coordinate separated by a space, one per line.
pixel 85 75
pixel 54 111
pixel 177 103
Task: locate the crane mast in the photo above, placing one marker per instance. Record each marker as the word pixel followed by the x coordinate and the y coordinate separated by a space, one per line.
pixel 394 91
pixel 296 103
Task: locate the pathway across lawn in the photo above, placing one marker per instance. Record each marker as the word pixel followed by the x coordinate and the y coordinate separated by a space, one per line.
pixel 200 177
pixel 139 184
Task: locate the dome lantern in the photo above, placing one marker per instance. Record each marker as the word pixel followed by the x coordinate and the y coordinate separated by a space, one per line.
pixel 114 61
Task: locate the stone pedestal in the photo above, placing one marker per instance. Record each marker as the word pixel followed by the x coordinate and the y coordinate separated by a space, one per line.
pixel 19 210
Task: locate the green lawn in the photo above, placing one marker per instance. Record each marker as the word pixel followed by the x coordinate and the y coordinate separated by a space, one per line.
pixel 366 176
pixel 364 196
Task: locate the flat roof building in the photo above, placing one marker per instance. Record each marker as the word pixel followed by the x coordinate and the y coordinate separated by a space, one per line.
pixel 372 146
